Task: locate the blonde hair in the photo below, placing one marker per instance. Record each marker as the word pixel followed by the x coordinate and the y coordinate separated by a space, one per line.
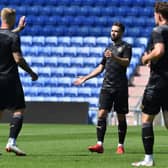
pixel 8 15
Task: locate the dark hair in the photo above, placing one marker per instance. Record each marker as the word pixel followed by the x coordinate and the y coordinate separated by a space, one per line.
pixel 119 24
pixel 162 8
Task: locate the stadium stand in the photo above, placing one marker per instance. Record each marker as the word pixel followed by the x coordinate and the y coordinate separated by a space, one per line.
pixel 64 39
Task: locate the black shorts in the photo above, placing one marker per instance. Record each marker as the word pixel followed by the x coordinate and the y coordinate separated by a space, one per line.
pixel 11 93
pixel 155 96
pixel 117 98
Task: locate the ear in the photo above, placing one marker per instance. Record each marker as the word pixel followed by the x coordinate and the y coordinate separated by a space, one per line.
pixel 160 17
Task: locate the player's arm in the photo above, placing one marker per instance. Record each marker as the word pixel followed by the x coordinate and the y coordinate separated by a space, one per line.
pixel 92 74
pixel 21 25
pixel 23 64
pixel 156 53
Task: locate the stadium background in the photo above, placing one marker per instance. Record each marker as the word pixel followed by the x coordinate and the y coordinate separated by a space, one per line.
pixel 65 38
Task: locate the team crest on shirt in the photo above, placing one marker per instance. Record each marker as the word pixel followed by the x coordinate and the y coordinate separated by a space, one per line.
pixel 120 49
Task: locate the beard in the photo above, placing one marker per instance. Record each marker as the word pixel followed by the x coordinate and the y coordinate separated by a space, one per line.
pixel 114 39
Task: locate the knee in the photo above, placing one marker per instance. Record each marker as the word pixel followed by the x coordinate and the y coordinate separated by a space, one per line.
pixel 102 113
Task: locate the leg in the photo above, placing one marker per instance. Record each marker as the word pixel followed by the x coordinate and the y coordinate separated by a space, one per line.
pixel 15 128
pixel 122 130
pixel 165 117
pixel 101 130
pixel 148 140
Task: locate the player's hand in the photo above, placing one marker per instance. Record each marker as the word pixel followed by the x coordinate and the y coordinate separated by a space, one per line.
pixel 22 23
pixel 145 60
pixel 79 80
pixel 108 53
pixel 34 76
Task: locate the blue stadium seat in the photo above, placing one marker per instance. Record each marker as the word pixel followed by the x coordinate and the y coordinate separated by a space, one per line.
pixel 85 10
pixel 43 51
pixel 64 61
pixel 44 71
pixel 96 11
pixel 54 20
pixel 141 42
pixel 77 41
pixel 92 83
pixel 109 11
pixel 70 91
pixel 126 3
pixel 101 21
pixel 72 10
pixel 82 71
pixel 64 41
pixel 67 20
pixel 37 62
pixel 35 30
pixel 59 10
pixel 64 81
pixel 26 40
pixel 57 51
pixel 70 51
pixel 57 91
pixel 89 41
pixel 84 91
pixel 76 2
pixel 90 61
pixel 70 71
pixel 88 2
pixel 96 51
pixel 50 61
pixel 57 71
pixel 77 61
pixel 50 30
pixel 102 41
pixel 93 101
pixel 95 92
pixel 73 30
pixel 129 40
pixel 82 51
pixel 95 31
pixel 51 41
pixel 35 10
pixel 38 40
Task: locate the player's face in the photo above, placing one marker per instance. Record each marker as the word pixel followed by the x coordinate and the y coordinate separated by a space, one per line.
pixel 116 33
pixel 156 16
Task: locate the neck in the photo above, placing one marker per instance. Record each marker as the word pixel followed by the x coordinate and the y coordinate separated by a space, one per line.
pixel 5 26
pixel 163 22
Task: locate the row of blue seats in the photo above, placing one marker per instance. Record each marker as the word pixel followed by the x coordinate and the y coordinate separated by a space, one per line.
pixel 71 41
pixel 75 30
pixel 80 20
pixel 85 10
pixel 80 2
pixel 63 91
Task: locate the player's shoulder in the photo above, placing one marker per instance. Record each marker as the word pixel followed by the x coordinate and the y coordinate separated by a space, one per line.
pixel 160 29
pixel 126 44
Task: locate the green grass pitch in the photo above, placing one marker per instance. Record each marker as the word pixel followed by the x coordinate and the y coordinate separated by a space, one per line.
pixel 65 146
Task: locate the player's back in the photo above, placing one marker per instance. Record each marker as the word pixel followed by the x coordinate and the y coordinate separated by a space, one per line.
pixel 7 63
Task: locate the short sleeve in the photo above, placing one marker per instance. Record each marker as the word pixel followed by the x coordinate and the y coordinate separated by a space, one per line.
pixel 157 36
pixel 16 44
pixel 127 51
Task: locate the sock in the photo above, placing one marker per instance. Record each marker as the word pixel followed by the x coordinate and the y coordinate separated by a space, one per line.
pixel 148 158
pixel 148 138
pixel 100 143
pixel 101 129
pixel 122 130
pixel 12 141
pixel 15 126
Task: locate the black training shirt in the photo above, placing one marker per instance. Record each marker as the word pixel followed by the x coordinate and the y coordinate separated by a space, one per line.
pixel 115 74
pixel 9 43
pixel 160 35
